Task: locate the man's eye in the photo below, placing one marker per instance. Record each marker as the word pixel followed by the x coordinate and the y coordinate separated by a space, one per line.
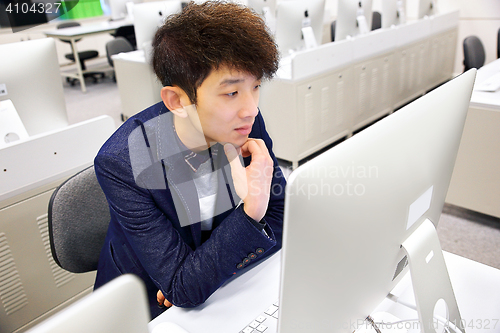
pixel 257 86
pixel 232 93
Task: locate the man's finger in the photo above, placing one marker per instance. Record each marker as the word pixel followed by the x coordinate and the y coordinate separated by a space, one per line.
pixel 238 171
pixel 162 300
pixel 159 297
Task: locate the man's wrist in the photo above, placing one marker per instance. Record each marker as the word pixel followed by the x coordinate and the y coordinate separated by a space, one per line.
pixel 260 224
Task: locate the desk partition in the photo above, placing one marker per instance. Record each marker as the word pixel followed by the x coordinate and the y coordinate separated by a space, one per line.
pixel 32 285
pixel 325 94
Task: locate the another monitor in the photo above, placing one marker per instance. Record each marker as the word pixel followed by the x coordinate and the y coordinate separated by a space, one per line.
pixel 426 8
pixel 393 13
pixel 149 16
pixel 119 306
pixel 119 8
pixel 31 79
pixel 353 18
pixel 261 6
pixel 292 17
pixel 266 8
pixel 349 210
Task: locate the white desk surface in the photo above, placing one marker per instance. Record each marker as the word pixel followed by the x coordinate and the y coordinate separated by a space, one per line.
pixel 490 100
pixel 132 56
pixel 88 29
pixel 235 304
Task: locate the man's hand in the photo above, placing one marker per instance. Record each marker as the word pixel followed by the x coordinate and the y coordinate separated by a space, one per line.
pixel 162 300
pixel 253 183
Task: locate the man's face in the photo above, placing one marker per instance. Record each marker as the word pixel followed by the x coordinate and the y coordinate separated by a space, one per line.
pixel 227 106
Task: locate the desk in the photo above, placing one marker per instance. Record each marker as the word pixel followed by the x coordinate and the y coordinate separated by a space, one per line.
pixel 242 299
pixel 138 85
pixel 475 183
pixel 74 33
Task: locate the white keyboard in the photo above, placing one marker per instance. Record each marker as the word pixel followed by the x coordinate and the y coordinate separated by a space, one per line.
pixel 491 84
pixel 266 322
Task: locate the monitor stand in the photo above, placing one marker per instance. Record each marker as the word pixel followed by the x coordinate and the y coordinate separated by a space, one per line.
pixel 309 38
pixel 430 279
pixel 401 12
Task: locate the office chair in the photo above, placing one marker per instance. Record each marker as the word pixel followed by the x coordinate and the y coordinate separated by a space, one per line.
pixel 498 44
pixel 332 31
pixel 376 20
pixel 83 55
pixel 115 46
pixel 78 222
pixel 474 54
pixel 127 32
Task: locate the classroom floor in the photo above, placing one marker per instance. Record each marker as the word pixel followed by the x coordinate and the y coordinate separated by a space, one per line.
pixel 466 233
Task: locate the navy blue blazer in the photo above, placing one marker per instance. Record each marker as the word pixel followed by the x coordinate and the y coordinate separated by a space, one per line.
pixel 154 230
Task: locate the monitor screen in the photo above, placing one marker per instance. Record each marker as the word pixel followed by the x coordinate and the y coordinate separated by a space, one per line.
pixel 149 16
pixel 352 16
pixel 349 210
pixel 119 306
pixel 291 17
pixel 31 79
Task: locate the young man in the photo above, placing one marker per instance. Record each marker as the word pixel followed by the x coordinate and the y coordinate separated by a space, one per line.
pixel 186 215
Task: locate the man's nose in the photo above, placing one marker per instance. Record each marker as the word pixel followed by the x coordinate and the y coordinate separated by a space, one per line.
pixel 250 106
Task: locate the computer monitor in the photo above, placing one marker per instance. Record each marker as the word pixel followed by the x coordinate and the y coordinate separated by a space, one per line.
pixel 31 79
pixel 119 9
pixel 353 18
pixel 260 6
pixel 119 306
pixel 266 8
pixel 426 8
pixel 292 17
pixel 148 17
pixel 349 210
pixel 393 13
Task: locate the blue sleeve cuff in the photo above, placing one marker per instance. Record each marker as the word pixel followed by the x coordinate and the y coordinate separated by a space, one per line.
pixel 259 225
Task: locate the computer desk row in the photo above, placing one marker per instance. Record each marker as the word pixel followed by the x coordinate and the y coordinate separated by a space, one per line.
pixel 325 94
pixel 244 297
pixel 32 285
pixel 476 181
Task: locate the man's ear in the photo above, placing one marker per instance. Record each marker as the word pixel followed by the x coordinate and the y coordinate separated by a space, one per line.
pixel 173 97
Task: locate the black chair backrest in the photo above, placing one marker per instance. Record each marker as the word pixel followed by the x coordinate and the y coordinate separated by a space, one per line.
pixel 332 30
pixel 498 44
pixel 128 32
pixel 474 54
pixel 78 222
pixel 376 20
pixel 115 46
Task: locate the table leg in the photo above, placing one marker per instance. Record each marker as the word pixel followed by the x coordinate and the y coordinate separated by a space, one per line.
pixel 79 71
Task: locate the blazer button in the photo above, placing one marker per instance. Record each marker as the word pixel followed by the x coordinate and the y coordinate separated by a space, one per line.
pixel 246 261
pixel 259 251
pixel 252 256
pixel 240 265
